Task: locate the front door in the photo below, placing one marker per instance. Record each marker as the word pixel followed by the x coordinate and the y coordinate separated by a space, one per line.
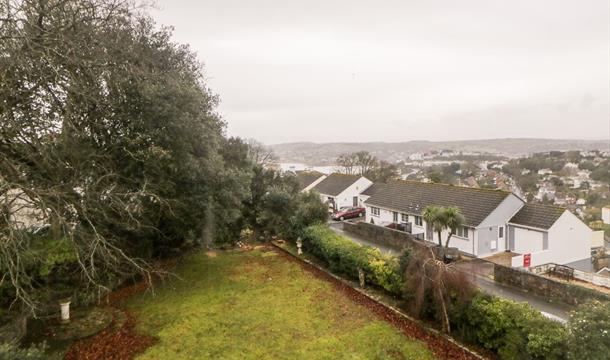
pixel 355 201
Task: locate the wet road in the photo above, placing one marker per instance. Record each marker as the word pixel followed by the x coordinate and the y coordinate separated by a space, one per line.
pixel 482 275
pixel 337 227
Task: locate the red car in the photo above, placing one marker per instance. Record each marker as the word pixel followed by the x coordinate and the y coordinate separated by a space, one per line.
pixel 348 213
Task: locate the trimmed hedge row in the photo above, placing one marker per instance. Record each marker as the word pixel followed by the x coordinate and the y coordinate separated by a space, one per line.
pixel 510 329
pixel 346 257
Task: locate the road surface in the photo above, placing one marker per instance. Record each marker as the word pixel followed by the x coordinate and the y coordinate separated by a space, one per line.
pixel 481 278
pixel 337 227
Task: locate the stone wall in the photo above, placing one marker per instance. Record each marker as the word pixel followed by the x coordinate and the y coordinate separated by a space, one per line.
pixel 390 237
pixel 555 291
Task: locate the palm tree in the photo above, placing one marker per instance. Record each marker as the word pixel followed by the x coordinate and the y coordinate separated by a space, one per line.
pixel 433 215
pixel 443 218
pixel 452 220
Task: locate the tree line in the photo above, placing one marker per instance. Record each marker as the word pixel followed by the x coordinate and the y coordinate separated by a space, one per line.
pixel 365 164
pixel 111 144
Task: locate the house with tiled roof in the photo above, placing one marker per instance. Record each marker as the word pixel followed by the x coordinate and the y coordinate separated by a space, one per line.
pixel 341 190
pixel 495 220
pixel 308 179
pixel 549 233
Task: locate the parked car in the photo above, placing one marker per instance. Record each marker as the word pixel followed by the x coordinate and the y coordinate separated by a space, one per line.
pixel 348 213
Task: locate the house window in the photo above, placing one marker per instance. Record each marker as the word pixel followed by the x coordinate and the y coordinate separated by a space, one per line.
pixel 404 218
pixel 374 211
pixel 462 231
pixel 501 232
pixel 394 216
pixel 418 221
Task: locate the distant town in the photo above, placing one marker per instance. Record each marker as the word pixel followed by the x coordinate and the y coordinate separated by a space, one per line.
pixel 576 179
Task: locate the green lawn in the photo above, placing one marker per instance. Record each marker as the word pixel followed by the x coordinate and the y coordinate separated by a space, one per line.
pixel 258 305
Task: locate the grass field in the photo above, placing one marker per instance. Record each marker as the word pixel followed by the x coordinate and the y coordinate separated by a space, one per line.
pixel 258 305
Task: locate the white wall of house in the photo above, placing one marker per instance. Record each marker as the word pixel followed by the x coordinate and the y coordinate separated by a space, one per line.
pixel 528 240
pixel 606 215
pixel 464 244
pixel 364 198
pixel 489 239
pixel 316 182
pixel 386 216
pixel 504 212
pixel 536 258
pixel 346 197
pixel 597 239
pixel 569 239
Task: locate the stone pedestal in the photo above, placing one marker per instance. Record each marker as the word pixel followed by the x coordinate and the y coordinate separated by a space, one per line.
pixel 65 311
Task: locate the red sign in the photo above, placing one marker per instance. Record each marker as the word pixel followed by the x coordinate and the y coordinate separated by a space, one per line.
pixel 527 260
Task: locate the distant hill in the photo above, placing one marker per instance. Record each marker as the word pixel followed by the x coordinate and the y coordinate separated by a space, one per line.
pixel 325 153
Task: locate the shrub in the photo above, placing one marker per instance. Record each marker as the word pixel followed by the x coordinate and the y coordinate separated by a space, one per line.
pixel 589 328
pixel 9 351
pixel 346 257
pixel 433 289
pixel 514 330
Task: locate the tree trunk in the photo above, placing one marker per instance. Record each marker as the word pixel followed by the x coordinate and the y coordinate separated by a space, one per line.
pixel 440 240
pixel 445 317
pixel 441 298
pixel 448 238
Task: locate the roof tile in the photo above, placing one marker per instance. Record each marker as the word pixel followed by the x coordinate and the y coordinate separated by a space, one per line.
pixel 538 215
pixel 335 183
pixel 413 197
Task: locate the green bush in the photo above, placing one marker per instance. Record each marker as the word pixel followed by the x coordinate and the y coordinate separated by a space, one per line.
pixel 510 329
pixel 10 351
pixel 589 328
pixel 514 330
pixel 346 257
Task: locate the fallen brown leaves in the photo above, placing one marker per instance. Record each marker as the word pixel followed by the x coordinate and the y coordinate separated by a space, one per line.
pixel 440 346
pixel 120 341
pixel 112 344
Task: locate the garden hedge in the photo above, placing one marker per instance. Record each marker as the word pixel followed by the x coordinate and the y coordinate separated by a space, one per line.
pixel 346 257
pixel 510 329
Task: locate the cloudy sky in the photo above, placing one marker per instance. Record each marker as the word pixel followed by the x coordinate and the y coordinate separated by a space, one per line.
pixel 329 71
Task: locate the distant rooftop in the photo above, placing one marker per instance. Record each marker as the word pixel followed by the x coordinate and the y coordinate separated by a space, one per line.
pixel 335 183
pixel 306 178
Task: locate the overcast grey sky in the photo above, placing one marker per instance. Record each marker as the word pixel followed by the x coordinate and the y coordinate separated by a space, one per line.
pixel 328 71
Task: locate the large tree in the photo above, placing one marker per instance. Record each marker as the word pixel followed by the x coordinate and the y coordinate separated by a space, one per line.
pixel 109 134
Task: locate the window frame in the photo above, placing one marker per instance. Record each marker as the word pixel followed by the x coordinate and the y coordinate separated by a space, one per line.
pixel 395 216
pixel 462 232
pixel 375 211
pixel 404 217
pixel 418 221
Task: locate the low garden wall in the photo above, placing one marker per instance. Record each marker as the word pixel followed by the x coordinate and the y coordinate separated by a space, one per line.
pixel 390 237
pixel 553 290
pixel 589 277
